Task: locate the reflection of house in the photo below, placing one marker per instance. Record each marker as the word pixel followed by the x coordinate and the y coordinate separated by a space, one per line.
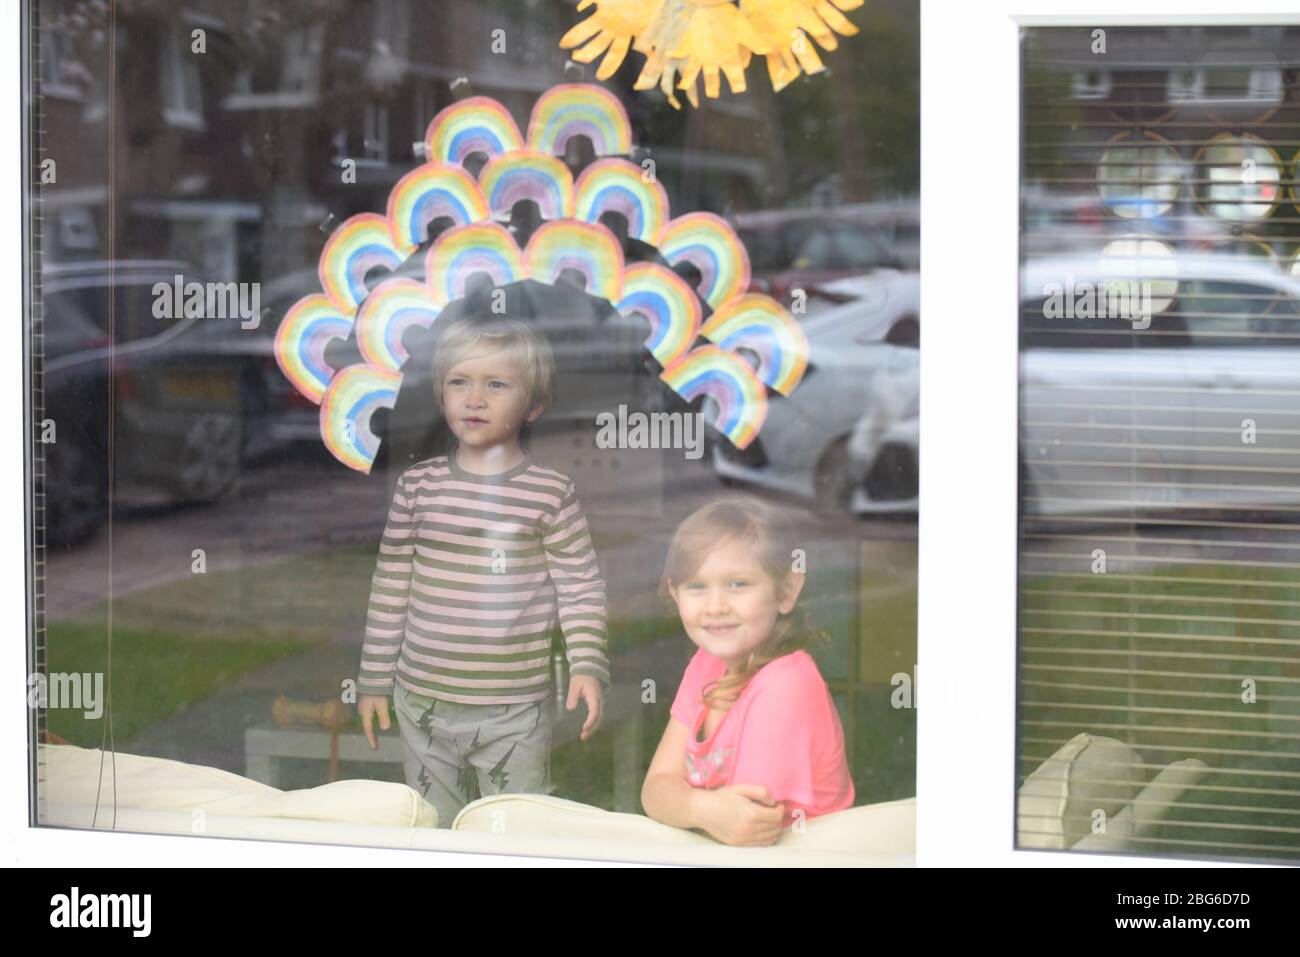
pixel 235 122
pixel 1170 129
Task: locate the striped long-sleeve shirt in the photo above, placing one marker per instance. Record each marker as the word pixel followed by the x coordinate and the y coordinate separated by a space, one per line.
pixel 472 575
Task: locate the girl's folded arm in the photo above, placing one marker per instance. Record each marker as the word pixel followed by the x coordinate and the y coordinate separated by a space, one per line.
pixel 666 795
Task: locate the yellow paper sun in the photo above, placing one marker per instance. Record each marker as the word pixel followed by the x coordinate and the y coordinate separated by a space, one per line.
pixel 682 39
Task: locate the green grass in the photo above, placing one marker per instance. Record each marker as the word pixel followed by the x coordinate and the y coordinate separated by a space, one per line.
pixel 155 674
pixel 1190 704
pixel 177 644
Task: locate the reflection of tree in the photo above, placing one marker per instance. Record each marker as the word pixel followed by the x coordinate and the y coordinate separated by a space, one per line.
pixel 860 119
pixel 1049 112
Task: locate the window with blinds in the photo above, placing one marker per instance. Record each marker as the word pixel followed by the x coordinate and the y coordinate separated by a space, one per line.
pixel 1158 662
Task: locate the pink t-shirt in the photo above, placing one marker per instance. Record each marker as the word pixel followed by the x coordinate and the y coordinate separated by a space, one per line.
pixel 783 733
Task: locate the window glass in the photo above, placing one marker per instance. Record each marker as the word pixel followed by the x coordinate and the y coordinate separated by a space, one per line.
pixel 269 224
pixel 1159 560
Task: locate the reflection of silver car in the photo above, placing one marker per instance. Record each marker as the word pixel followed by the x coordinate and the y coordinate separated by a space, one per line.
pixel 1199 410
pixel 860 351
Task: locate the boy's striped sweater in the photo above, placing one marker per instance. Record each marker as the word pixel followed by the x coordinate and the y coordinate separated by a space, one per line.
pixel 472 574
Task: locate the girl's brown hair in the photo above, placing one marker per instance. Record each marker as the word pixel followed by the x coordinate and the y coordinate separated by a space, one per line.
pixel 770 533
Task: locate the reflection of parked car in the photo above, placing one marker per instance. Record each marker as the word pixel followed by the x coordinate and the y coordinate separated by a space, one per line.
pixel 859 350
pixel 803 248
pixel 1158 419
pixel 179 399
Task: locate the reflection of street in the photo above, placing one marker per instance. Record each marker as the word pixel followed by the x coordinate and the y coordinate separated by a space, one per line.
pixel 283 522
pixel 273 514
pixel 296 508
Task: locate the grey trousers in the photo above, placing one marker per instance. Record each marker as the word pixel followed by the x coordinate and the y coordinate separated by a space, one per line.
pixel 452 753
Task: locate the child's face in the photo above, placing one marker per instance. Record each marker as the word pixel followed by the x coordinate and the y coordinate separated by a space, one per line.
pixel 484 397
pixel 730 605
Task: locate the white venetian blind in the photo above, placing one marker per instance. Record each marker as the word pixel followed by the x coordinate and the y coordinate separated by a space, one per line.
pixel 1159 542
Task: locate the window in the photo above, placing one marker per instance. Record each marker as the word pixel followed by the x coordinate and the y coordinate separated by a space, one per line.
pixel 232 182
pixel 182 92
pixel 1159 542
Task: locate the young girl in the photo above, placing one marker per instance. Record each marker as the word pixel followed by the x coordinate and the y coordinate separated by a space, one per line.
pixel 754 743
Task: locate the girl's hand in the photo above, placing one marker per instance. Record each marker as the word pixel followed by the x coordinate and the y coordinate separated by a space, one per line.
pixel 368 706
pixel 587 688
pixel 742 815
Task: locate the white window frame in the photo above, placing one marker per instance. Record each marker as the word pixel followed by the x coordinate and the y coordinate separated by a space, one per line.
pixel 967 629
pixel 182 84
pixel 300 74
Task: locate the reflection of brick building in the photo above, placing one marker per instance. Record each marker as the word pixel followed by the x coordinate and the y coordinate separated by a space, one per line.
pixel 1156 96
pixel 232 157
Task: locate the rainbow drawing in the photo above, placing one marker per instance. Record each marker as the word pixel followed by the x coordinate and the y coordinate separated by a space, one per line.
pixel 351 399
pixel 478 124
pixel 617 186
pixel 670 305
pixel 359 245
pixel 520 175
pixel 395 306
pixel 758 323
pixel 588 248
pixel 579 109
pixel 300 342
pixel 709 244
pixel 427 192
pixel 461 252
pixel 739 398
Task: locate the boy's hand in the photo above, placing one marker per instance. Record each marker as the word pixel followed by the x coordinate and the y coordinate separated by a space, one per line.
pixel 369 705
pixel 588 689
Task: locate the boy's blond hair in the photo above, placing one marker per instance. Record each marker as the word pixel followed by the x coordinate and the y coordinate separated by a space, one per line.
pixel 530 353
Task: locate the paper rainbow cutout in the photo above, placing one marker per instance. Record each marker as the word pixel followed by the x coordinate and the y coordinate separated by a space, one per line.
pixel 512 177
pixel 300 342
pixel 478 124
pixel 395 306
pixel 465 250
pixel 352 398
pixel 360 244
pixel 709 244
pixel 590 249
pixel 729 381
pixel 670 305
pixel 427 192
pixel 579 109
pixel 758 323
pixel 617 186
pixel 572 237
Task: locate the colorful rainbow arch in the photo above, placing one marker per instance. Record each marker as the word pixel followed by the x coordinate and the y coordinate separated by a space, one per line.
pixel 709 244
pixel 670 305
pixel 360 244
pixel 588 248
pixel 394 307
pixel 758 323
pixel 478 124
pixel 617 186
pixel 579 109
pixel 300 341
pixel 428 192
pixel 520 175
pixel 353 397
pixel 738 397
pixel 465 250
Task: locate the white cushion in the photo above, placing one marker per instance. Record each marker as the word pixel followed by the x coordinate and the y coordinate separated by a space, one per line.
pixel 1058 800
pixel 888 828
pixel 73 776
pixel 1148 809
